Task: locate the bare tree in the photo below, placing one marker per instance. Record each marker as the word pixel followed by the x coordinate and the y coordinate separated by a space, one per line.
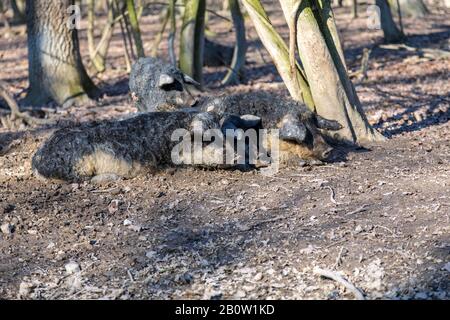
pixel 321 80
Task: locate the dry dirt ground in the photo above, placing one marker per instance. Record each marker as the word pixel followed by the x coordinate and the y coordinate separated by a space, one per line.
pixel 188 233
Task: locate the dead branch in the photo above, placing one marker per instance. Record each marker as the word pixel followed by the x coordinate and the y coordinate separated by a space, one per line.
pixel 426 52
pixel 361 74
pixel 336 277
pixel 360 209
pixel 15 110
pixel 333 195
pixel 339 258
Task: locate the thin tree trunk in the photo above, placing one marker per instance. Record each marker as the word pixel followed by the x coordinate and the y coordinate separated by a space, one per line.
pixel 128 50
pixel 98 53
pixel 355 9
pixel 172 33
pixel 3 18
pixel 240 49
pixel 135 28
pixel 192 39
pixel 56 70
pixel 18 7
pixel 293 78
pixel 159 36
pixel 390 30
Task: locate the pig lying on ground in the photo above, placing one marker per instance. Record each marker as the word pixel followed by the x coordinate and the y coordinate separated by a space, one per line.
pixel 157 86
pixel 121 148
pixel 300 138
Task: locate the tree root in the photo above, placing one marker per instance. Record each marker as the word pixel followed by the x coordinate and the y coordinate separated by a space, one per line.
pixel 16 114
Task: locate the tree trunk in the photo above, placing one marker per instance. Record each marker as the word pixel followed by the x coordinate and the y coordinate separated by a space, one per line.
pixel 18 7
pixel 390 30
pixel 135 28
pixel 4 19
pixel 409 8
pixel 333 93
pixel 56 71
pixel 240 49
pixel 173 30
pixel 98 53
pixel 192 39
pixel 355 9
pixel 292 75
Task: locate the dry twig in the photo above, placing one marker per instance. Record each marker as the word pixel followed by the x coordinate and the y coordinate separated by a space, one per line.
pixel 15 110
pixel 336 277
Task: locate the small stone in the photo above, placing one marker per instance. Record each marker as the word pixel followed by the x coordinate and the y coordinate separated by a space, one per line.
pixel 308 250
pixel 240 294
pixel 136 227
pixel 258 277
pixel 127 222
pixel 113 206
pixel 7 228
pixel 358 229
pixel 25 289
pixel 72 267
pixel 447 266
pixel 418 116
pixel 51 245
pixel 150 254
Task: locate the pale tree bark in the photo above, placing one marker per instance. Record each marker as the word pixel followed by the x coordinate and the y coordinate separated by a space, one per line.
pixel 56 70
pixel 409 8
pixel 390 30
pixel 321 54
pixel 333 93
pixel 98 53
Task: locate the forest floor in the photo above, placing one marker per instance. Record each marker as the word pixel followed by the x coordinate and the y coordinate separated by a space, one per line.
pixel 189 233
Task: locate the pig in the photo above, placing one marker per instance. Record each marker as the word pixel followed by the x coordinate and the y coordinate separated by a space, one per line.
pixel 300 139
pixel 118 148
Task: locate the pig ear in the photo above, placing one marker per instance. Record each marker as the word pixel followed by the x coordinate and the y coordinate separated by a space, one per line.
pixel 244 122
pixel 189 80
pixel 293 132
pixel 326 124
pixel 165 80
